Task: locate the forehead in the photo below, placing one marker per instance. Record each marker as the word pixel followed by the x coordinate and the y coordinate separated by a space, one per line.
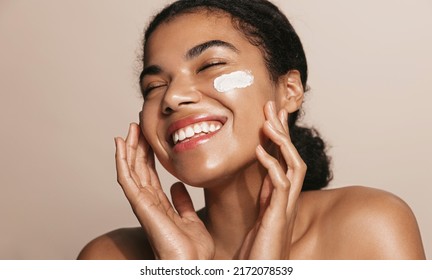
pixel 187 30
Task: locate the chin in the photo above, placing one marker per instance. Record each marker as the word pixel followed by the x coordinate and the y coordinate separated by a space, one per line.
pixel 199 174
pixel 206 175
pixel 201 178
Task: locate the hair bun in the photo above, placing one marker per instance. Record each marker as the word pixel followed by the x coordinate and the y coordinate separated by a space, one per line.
pixel 312 150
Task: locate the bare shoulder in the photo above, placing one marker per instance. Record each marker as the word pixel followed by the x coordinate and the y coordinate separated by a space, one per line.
pixel 363 223
pixel 120 244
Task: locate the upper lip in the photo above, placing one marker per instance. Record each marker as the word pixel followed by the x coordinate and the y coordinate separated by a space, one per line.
pixel 181 123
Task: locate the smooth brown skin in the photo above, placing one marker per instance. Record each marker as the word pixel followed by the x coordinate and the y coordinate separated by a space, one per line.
pixel 254 207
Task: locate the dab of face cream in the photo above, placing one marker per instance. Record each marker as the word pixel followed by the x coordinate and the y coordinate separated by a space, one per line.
pixel 234 80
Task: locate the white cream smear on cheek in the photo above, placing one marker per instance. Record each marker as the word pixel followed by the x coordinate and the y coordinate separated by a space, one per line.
pixel 234 80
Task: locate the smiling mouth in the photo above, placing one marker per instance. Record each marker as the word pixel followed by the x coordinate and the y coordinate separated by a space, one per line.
pixel 195 130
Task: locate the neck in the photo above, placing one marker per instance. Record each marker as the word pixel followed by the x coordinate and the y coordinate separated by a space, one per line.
pixel 232 208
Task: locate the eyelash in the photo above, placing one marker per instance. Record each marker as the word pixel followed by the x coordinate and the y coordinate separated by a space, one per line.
pixel 206 66
pixel 150 88
pixel 203 68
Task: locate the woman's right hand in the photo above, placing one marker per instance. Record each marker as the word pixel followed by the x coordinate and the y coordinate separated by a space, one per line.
pixel 271 237
pixel 173 232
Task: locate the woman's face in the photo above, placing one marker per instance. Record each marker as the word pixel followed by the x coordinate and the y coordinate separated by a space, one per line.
pixel 205 89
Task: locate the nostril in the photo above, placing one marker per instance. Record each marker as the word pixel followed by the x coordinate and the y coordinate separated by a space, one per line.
pixel 167 110
pixel 178 96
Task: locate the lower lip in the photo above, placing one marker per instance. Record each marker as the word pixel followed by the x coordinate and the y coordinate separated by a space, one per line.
pixel 193 142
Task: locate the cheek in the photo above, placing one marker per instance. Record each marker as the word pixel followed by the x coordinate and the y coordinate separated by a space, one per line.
pixel 232 81
pixel 149 122
pixel 236 90
pixel 153 134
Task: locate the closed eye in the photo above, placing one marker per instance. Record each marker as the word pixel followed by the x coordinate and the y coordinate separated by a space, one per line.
pixel 209 65
pixel 152 87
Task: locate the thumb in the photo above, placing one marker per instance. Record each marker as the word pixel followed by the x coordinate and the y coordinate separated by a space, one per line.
pixel 182 201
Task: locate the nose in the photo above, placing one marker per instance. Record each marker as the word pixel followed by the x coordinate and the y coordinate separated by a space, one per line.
pixel 180 92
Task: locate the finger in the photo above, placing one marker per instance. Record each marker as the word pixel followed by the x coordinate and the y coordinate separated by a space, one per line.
pixel 296 171
pixel 146 170
pixel 279 122
pixel 271 235
pixel 131 145
pixel 182 201
pixel 132 141
pixel 154 177
pixel 124 177
pixel 272 117
pixel 289 152
pixel 283 118
pixel 141 158
pixel 144 161
pixel 146 157
pixel 296 166
pixel 265 195
pixel 279 180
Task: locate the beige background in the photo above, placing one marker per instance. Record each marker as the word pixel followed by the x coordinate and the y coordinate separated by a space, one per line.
pixel 68 86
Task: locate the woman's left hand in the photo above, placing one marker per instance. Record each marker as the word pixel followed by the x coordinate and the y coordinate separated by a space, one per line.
pixel 271 236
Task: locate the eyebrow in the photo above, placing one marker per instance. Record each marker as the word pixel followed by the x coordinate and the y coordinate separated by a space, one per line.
pixel 150 70
pixel 199 49
pixel 190 54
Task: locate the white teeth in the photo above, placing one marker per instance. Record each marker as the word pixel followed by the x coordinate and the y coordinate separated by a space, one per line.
pixel 205 127
pixel 190 131
pixel 182 135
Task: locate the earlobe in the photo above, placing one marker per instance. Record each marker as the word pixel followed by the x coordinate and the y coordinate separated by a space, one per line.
pixel 291 92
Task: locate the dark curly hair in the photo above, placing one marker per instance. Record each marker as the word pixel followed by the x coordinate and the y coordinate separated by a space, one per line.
pixel 267 27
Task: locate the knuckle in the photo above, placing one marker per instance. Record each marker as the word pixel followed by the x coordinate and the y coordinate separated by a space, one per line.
pixel 303 166
pixel 286 184
pixel 273 162
pixel 300 165
pixel 131 165
pixel 120 157
pixel 284 139
pixel 122 179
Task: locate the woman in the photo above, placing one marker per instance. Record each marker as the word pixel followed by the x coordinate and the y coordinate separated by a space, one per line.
pixel 223 83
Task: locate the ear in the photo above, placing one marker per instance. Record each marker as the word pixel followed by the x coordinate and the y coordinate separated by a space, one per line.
pixel 290 92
